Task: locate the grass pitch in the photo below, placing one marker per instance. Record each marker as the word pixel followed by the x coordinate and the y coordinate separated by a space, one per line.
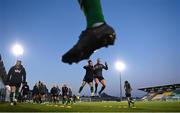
pixel 93 107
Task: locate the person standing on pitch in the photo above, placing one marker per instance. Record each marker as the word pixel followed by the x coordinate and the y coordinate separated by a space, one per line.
pixel 16 76
pixel 64 94
pixel 98 77
pixel 25 92
pixel 88 78
pixel 54 94
pixel 128 90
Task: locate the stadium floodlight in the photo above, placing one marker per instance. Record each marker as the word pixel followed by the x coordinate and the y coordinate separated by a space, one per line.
pixel 120 66
pixel 17 50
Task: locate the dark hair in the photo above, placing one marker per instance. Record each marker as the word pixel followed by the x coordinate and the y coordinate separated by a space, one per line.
pixel 89 61
pixel 126 81
pixel 19 61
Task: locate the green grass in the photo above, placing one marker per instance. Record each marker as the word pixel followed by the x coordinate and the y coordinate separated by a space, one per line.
pixel 94 107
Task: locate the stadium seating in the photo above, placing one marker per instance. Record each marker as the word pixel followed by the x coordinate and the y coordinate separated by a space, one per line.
pixel 166 92
pixel 169 93
pixel 158 97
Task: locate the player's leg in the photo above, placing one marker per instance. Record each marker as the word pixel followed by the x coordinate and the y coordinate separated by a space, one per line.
pixel 17 95
pixel 94 15
pixel 129 103
pixel 96 84
pixel 81 88
pixel 43 98
pixel 64 99
pixel 131 100
pixel 53 98
pixel 103 82
pixel 12 94
pixel 91 88
pixel 97 35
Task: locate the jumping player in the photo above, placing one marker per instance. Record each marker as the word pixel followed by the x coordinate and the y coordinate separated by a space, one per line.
pixel 97 34
pixel 128 90
pixel 98 77
pixel 16 76
pixel 88 78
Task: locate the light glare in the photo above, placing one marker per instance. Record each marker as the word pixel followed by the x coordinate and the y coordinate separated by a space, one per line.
pixel 120 66
pixel 17 50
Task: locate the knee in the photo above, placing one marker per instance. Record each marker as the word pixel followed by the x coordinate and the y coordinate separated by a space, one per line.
pixel 104 85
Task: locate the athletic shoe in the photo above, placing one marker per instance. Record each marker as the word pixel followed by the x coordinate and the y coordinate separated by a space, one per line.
pixel 99 95
pixel 89 41
pixel 78 96
pixel 133 103
pixel 92 94
pixel 11 103
pixel 14 102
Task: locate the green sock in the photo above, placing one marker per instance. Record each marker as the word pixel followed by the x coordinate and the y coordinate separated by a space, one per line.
pixel 80 89
pixel 93 11
pixel 17 93
pixel 92 89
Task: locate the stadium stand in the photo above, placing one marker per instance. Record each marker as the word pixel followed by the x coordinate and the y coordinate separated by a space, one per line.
pixel 158 97
pixel 165 92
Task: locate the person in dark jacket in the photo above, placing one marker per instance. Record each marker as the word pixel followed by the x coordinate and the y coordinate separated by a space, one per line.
pixel 42 91
pixel 128 89
pixel 25 92
pixel 54 94
pixel 65 94
pixel 88 78
pixel 35 93
pixel 98 76
pixel 70 99
pixel 16 76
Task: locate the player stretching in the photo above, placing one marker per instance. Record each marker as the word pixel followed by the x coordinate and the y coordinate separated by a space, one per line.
pixel 98 77
pixel 16 76
pixel 88 78
pixel 128 90
pixel 97 34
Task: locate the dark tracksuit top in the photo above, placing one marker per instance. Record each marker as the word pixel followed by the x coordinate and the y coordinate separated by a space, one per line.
pixel 98 69
pixel 128 90
pixel 89 73
pixel 54 91
pixel 70 93
pixel 25 89
pixel 64 91
pixel 35 90
pixel 16 75
pixel 42 89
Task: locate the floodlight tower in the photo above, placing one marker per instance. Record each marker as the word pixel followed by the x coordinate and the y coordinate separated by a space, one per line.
pixel 120 66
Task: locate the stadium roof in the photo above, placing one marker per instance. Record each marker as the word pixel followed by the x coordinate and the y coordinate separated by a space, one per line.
pixel 171 86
